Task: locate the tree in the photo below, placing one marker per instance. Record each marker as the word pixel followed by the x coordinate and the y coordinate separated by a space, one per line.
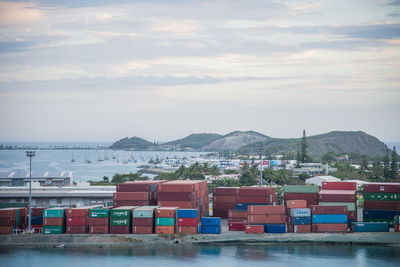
pixel 386 167
pixel 393 166
pixel 303 149
pixel 248 175
pixel 376 171
pixel 106 179
pixel 328 157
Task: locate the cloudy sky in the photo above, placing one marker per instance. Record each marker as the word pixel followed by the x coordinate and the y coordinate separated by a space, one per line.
pixel 158 69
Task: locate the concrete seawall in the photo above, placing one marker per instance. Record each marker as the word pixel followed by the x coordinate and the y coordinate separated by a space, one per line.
pixel 68 240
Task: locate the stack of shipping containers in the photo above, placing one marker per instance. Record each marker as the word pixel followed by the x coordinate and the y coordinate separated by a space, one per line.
pixel 329 218
pixel 54 221
pixel 78 220
pixel 37 219
pixel 143 220
pixel 224 199
pixel 299 220
pixel 381 202
pixel 99 221
pixel 165 220
pixel 273 218
pixel 340 194
pixel 187 221
pixel 12 218
pixel 308 193
pixel 237 220
pixel 210 225
pixel 248 195
pixel 120 220
pixel 184 194
pixel 137 193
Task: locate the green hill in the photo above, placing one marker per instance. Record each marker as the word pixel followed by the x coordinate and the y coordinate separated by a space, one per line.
pixel 193 141
pixel 132 143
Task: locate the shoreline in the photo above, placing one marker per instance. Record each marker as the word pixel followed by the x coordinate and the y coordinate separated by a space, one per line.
pixel 236 238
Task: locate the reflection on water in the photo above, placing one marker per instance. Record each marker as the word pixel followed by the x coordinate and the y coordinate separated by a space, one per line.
pixel 233 255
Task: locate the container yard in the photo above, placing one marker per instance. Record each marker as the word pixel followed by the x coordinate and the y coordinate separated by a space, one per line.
pixel 178 210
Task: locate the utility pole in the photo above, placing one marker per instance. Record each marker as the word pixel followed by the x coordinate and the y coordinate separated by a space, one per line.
pixel 261 166
pixel 30 154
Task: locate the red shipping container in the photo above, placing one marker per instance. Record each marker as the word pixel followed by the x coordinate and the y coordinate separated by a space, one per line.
pixel 77 229
pixel 131 196
pixel 265 219
pixel 142 221
pixel 254 229
pixel 296 204
pixel 329 227
pixel 139 186
pixel 114 229
pixel 78 212
pixel 312 199
pixel 220 213
pixel 6 230
pixel 254 200
pixel 237 226
pixel 8 213
pixel 37 212
pixel 169 230
pixel 166 212
pixel 237 214
pixel 8 221
pixel 225 191
pixel 224 206
pixel 187 230
pixel 98 229
pixel 276 210
pixel 397 228
pixel 381 205
pixel 224 199
pixel 179 204
pixel 187 222
pixel 238 220
pixel 315 209
pixel 53 221
pixel 173 186
pixel 138 203
pixel 99 221
pixel 337 196
pixel 142 230
pixel 382 187
pixel 256 191
pixel 302 228
pixel 177 196
pixel 77 221
pixel 339 186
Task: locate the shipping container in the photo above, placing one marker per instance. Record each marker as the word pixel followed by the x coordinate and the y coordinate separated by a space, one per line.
pixel 256 199
pixel 98 229
pixel 264 219
pixel 237 226
pixel 78 221
pixel 237 214
pixel 337 196
pixel 120 229
pixel 296 204
pixel 224 199
pixel 165 221
pixel 143 212
pixel 166 212
pixel 315 209
pixel 329 227
pixel 54 213
pixel 382 187
pixel 122 212
pixel 187 221
pixel 370 227
pixel 143 230
pixel 382 196
pixel 143 221
pixel 381 205
pixel 137 203
pixel 275 228
pixel 302 228
pixel 244 206
pixel 389 221
pixel 329 218
pixel 99 221
pixel 99 213
pixel 139 186
pixel 53 221
pixel 350 206
pixel 210 221
pixel 383 214
pixel 305 212
pixel 205 229
pixel 300 189
pixel 188 230
pixel 187 213
pixel 256 191
pixel 120 221
pixel 265 209
pixel 52 229
pixel 300 220
pixel 339 186
pixel 254 229
pixel 6 230
pixel 77 212
pixel 225 191
pixel 131 196
pixel 77 229
pixel 163 229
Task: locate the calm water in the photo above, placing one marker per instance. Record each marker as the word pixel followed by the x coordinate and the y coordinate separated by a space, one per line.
pixel 60 160
pixel 243 255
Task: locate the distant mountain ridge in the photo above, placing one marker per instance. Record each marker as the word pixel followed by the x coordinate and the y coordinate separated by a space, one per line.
pixel 338 142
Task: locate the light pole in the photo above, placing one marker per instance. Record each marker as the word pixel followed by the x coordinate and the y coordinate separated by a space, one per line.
pixel 30 154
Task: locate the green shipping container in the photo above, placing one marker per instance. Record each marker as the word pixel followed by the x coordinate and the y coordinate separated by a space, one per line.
pixel 350 206
pixel 99 213
pixel 143 213
pixel 382 196
pixel 122 212
pixel 53 229
pixel 120 222
pixel 300 189
pixel 389 221
pixel 165 221
pixel 4 205
pixel 54 213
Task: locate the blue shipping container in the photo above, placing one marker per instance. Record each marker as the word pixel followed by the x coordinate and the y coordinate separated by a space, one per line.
pixel 275 228
pixel 380 214
pixel 243 206
pixel 300 220
pixel 370 227
pixel 37 220
pixel 210 229
pixel 300 212
pixel 211 221
pixel 329 218
pixel 187 213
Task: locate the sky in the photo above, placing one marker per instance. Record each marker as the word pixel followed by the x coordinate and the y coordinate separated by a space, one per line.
pixel 157 69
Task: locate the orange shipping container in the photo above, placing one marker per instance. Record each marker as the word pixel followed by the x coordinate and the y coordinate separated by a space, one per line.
pixel 166 212
pixel 53 221
pixel 302 228
pixel 254 229
pixel 165 230
pixel 188 230
pixel 329 227
pixel 264 219
pixel 179 204
pixel 224 199
pixel 296 204
pixel 273 210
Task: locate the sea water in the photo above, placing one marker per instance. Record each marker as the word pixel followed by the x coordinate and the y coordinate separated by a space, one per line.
pixel 205 255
